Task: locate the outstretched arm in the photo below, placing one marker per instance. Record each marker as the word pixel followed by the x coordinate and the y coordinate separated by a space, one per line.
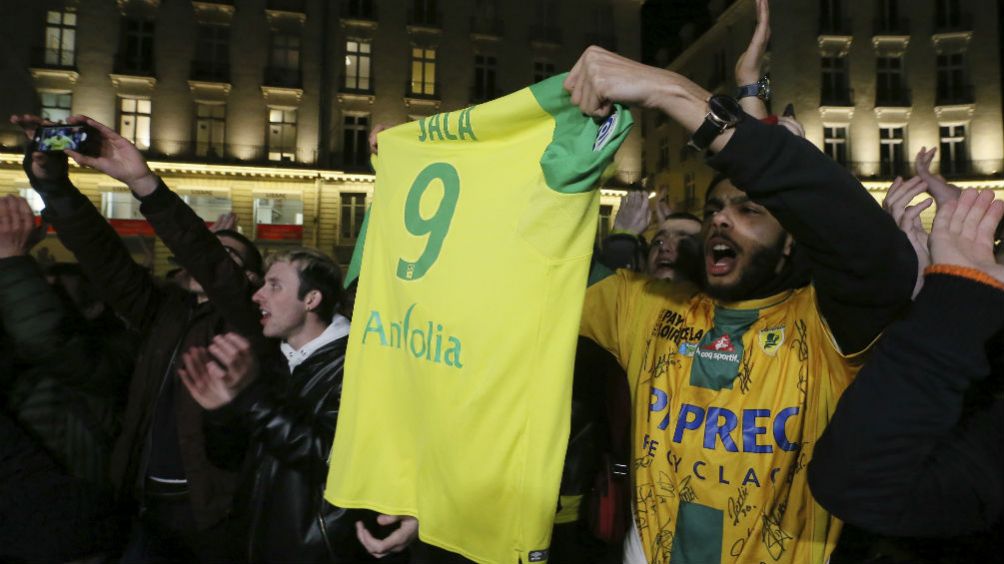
pixel 749 67
pixel 896 457
pixel 194 246
pixel 862 265
pixel 82 229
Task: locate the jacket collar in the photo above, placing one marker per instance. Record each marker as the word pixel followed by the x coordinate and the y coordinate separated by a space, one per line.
pixel 339 328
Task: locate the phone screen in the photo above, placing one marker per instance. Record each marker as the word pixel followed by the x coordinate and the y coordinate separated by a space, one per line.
pixel 55 138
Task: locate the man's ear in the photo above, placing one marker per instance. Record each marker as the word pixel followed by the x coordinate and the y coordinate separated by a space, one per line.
pixel 312 300
pixel 789 244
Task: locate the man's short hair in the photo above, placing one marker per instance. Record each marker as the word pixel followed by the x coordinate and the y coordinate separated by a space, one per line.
pixel 317 272
pixel 682 215
pixel 251 255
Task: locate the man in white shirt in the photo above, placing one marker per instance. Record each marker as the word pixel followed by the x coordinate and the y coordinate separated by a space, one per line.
pixel 287 417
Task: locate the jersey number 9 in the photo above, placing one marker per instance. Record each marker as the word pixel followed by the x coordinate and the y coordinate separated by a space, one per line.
pixel 435 226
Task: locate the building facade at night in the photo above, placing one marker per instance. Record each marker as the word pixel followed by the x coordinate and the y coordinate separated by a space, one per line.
pixel 872 81
pixel 263 107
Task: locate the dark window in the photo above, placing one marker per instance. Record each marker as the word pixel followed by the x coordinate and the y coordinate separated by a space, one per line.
pixel 484 78
pixel 954 158
pixel 835 89
pixel 891 159
pixel 355 140
pixel 542 70
pixel 137 47
pixel 835 143
pixel 212 53
pixel 353 208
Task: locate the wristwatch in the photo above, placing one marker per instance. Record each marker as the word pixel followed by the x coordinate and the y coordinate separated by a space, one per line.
pixel 723 113
pixel 760 89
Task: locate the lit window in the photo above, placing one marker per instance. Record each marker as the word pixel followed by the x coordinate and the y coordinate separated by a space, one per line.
pixel 210 128
pixel 357 65
pixel 134 121
pixel 353 208
pixel 60 38
pixel 423 71
pixel 282 135
pixel 56 106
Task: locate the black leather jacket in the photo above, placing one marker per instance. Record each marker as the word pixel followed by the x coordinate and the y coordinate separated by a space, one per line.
pixel 286 427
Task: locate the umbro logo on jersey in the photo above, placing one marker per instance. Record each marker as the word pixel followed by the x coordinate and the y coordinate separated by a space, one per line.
pixel 538 555
pixel 606 132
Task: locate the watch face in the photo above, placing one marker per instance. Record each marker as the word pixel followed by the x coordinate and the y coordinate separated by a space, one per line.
pixel 764 92
pixel 725 108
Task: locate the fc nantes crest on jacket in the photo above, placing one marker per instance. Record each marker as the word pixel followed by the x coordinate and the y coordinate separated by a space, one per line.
pixel 456 403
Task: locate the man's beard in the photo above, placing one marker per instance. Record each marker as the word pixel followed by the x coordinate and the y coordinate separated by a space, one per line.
pixel 756 281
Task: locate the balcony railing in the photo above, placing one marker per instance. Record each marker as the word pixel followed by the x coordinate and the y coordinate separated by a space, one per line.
pixel 283 77
pixel 54 58
pixel 604 39
pixel 834 26
pixel 891 26
pixel 841 97
pixel 225 153
pixel 487 26
pixel 135 66
pixel 359 10
pixel 360 86
pixel 954 95
pixel 420 90
pixel 545 34
pixel 954 23
pixel 482 94
pixel 208 71
pixel 297 6
pixel 425 18
pixel 893 97
pixel 876 170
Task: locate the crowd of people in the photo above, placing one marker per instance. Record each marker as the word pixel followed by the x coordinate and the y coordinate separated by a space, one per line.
pixel 797 376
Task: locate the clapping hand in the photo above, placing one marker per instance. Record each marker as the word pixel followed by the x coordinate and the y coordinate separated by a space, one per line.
pixel 18 233
pixel 963 232
pixel 215 376
pixel 907 217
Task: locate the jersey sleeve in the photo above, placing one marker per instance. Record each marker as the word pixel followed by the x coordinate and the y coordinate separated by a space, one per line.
pixel 582 147
pixel 605 313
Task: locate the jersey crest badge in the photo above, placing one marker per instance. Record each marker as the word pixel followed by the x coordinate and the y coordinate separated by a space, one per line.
pixel 771 340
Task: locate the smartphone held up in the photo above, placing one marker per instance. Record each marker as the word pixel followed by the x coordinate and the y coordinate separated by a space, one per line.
pixel 83 139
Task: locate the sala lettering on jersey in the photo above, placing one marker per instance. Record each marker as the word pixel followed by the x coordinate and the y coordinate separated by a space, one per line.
pixel 437 127
pixel 422 344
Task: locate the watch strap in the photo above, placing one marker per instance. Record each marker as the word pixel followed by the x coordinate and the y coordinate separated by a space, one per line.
pixel 704 135
pixel 748 90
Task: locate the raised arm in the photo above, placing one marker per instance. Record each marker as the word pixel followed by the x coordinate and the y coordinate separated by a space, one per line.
pixel 901 455
pixel 862 265
pixel 81 228
pixel 194 246
pixel 749 67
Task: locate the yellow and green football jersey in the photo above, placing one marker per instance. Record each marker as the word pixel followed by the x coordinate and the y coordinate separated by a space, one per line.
pixel 456 402
pixel 729 401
